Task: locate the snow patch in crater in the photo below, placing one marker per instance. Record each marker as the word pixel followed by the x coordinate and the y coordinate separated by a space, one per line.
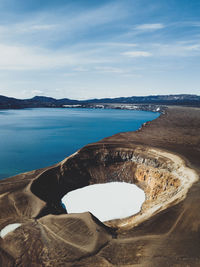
pixel 107 201
pixel 9 228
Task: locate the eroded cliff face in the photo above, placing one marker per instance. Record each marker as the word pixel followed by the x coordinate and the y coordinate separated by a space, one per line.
pixel 163 176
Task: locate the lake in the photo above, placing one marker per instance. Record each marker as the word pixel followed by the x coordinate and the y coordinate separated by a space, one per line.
pixel 35 138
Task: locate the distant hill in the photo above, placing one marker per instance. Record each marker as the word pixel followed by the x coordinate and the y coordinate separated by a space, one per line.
pixel 43 101
pixel 35 102
pixel 183 99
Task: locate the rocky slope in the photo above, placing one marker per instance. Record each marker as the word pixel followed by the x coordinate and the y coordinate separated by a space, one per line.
pixel 162 158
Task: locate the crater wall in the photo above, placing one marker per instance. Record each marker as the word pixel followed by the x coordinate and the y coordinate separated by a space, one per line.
pixel 163 176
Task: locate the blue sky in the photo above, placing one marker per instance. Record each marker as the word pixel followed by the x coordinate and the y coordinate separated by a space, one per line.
pixel 84 49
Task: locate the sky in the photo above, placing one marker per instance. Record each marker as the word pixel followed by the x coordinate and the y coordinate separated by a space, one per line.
pixel 83 49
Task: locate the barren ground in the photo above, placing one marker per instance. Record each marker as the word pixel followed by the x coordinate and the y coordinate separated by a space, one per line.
pixel 163 158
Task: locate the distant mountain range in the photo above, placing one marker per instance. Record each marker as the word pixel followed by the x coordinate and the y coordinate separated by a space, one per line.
pixel 43 101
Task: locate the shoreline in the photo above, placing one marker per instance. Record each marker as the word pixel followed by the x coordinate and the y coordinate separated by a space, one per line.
pixel 71 126
pixel 139 107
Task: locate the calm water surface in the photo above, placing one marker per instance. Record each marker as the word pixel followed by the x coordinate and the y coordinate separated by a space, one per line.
pixel 36 138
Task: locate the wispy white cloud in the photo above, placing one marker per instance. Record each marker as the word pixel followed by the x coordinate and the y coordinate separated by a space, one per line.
pixel 80 69
pixel 137 54
pixel 107 69
pixel 29 58
pixel 60 27
pixel 194 47
pixel 117 44
pixel 37 92
pixel 34 58
pixel 37 27
pixel 150 27
pixel 195 24
pixel 177 49
pixel 108 13
pixel 26 27
pixel 70 74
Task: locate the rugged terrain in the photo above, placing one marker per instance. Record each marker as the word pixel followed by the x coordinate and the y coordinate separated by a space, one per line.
pixel 162 158
pixel 135 102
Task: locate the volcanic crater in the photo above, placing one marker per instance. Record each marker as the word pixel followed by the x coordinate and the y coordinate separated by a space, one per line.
pixel 163 176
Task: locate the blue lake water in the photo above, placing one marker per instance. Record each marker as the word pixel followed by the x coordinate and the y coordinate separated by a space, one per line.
pixel 35 138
